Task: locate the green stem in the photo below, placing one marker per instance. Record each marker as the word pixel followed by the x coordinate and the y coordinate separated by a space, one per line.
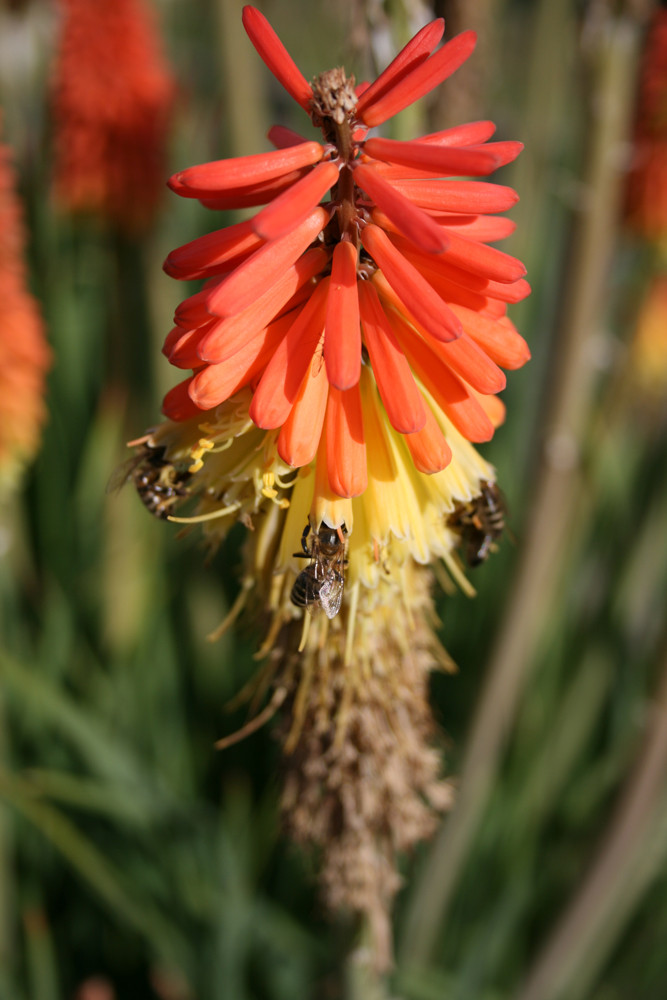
pixel 624 865
pixel 362 979
pixel 11 536
pixel 7 942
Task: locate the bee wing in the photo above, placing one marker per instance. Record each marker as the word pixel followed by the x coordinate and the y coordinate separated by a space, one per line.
pixel 331 591
pixel 121 474
pixel 331 594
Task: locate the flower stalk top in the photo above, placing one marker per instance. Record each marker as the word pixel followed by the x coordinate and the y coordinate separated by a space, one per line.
pixel 366 252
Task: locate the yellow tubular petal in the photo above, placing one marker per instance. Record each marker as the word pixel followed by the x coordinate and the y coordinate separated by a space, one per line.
pixel 460 480
pixel 362 566
pixel 420 515
pixel 391 501
pixel 296 520
pixel 382 499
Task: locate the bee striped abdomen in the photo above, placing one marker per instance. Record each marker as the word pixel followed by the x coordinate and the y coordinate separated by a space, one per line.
pixel 479 523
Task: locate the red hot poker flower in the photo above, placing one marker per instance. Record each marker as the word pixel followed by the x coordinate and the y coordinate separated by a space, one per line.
pixel 112 95
pixel 367 252
pixel 24 354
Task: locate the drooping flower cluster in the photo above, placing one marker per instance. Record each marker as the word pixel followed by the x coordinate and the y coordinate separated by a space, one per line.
pixel 366 254
pixel 112 97
pixel 24 354
pixel 345 352
pixel 646 194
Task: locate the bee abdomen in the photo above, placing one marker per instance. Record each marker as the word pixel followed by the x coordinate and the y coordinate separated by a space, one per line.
pixel 306 589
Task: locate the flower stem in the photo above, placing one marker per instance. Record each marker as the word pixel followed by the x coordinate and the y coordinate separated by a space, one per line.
pixel 347 212
pixel 10 536
pixel 362 980
pixel 630 855
pixel 7 949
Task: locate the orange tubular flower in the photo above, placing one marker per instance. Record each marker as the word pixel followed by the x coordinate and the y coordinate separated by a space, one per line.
pixel 367 253
pixel 24 354
pixel 112 97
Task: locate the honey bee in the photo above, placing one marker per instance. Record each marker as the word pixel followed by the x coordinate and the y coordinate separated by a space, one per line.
pixel 321 582
pixel 479 523
pixel 157 481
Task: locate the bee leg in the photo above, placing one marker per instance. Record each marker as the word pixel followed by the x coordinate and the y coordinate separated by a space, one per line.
pixel 484 549
pixel 305 553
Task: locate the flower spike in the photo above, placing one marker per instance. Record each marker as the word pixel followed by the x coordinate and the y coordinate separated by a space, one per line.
pixel 346 350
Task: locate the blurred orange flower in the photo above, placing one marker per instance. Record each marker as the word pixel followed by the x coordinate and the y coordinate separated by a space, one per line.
pixel 646 196
pixel 648 349
pixel 112 96
pixel 366 254
pixel 24 354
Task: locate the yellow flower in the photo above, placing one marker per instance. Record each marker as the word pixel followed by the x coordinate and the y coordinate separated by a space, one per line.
pixel 227 469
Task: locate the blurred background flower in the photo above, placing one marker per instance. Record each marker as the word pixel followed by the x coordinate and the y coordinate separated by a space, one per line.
pixel 24 354
pixel 112 97
pixel 135 859
pixel 646 197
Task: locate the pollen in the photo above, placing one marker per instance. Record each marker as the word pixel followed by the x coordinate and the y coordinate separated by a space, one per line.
pixel 268 489
pixel 197 453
